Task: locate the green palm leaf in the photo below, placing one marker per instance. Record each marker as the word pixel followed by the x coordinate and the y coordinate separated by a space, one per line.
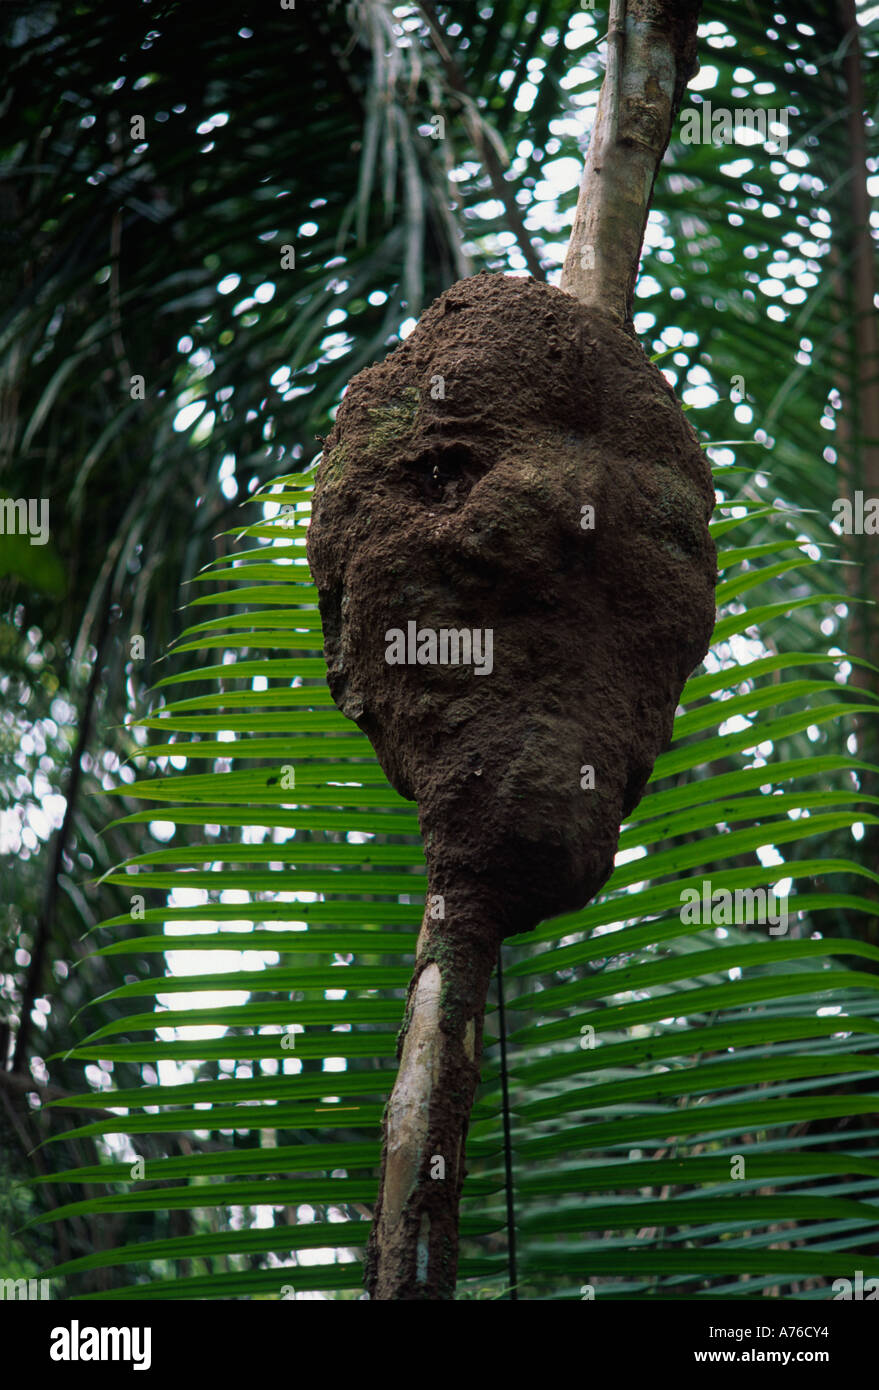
pixel 728 1053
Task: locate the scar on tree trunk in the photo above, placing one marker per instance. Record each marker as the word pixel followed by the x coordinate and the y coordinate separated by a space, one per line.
pixel 390 446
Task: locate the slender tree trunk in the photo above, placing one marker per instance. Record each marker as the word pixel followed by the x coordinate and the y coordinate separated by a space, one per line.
pixel 859 422
pixel 859 453
pixel 46 923
pixel 413 1252
pixel 413 1249
pixel 651 55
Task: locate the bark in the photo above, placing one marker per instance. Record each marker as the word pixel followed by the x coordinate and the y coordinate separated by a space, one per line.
pixel 651 55
pixel 859 422
pixel 413 1248
pixel 858 358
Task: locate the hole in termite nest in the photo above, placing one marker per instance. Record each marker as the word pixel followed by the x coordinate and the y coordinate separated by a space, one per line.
pixel 446 473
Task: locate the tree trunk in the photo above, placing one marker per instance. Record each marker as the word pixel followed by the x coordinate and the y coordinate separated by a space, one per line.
pixel 413 1251
pixel 858 459
pixel 413 1248
pixel 46 924
pixel 651 55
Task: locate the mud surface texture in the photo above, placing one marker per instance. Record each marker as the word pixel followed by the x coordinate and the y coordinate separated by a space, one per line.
pixel 516 465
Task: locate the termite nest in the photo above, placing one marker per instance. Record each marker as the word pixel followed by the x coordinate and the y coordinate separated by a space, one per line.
pixel 516 467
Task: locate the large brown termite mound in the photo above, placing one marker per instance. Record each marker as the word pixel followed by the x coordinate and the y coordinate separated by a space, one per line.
pixel 518 476
pixel 510 541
